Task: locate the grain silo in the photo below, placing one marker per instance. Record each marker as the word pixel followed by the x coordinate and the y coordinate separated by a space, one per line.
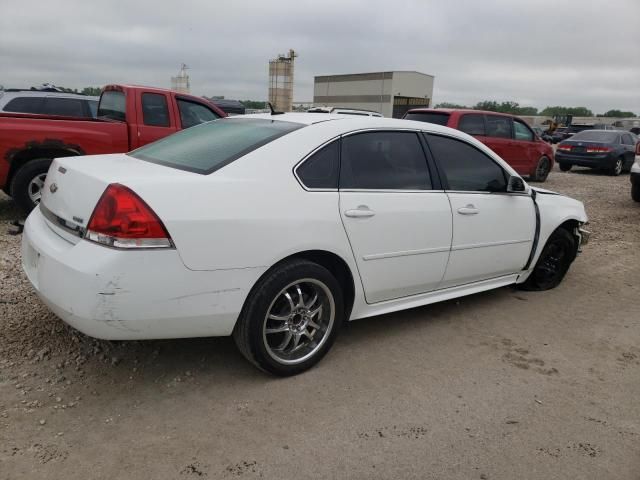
pixel 181 82
pixel 281 81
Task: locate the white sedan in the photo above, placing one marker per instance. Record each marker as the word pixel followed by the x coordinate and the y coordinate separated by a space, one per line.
pixel 277 228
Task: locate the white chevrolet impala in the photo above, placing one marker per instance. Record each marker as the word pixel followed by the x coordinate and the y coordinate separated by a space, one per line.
pixel 277 228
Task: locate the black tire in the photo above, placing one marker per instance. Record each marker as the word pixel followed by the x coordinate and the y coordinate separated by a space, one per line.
pixel 542 169
pixel 250 333
pixel 635 192
pixel 617 167
pixel 22 182
pixel 565 167
pixel 554 262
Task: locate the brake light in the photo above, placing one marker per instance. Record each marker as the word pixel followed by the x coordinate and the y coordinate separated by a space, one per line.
pixel 122 219
pixel 599 149
pixel 565 148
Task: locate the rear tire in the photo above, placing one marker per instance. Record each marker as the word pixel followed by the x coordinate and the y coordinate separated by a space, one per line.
pixel 617 168
pixel 27 183
pixel 290 318
pixel 635 192
pixel 565 167
pixel 542 170
pixel 553 263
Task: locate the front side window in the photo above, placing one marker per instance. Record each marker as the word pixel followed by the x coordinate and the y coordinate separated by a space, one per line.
pixel 210 146
pixel 522 132
pixel 113 105
pixel 498 126
pixel 192 113
pixel 473 124
pixel 155 111
pixel 24 105
pixel 69 107
pixel 321 169
pixel 384 160
pixel 465 167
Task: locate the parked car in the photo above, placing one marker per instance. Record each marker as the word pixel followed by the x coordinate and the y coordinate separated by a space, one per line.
pixel 635 176
pixel 558 134
pixel 276 229
pixel 48 103
pixel 128 117
pixel 344 111
pixel 609 150
pixel 507 135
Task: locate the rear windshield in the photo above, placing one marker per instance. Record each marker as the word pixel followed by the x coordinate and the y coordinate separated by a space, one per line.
pixel 439 118
pixel 210 146
pixel 596 136
pixel 112 105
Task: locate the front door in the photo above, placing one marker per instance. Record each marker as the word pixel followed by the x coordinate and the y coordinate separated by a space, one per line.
pixel 493 230
pixel 399 228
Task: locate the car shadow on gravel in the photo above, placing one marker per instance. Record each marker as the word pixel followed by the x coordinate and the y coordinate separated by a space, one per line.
pixel 9 210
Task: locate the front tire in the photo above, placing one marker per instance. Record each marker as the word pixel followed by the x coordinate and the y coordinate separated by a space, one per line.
pixel 542 170
pixel 290 318
pixel 28 182
pixel 635 192
pixel 553 263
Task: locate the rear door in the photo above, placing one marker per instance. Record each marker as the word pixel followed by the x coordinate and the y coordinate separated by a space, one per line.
pixel 154 120
pixel 397 219
pixel 500 139
pixel 492 230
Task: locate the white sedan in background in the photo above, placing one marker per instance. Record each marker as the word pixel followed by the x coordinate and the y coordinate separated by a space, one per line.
pixel 277 228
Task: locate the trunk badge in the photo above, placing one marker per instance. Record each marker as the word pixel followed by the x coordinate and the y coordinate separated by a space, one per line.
pixel 53 188
pixel 62 170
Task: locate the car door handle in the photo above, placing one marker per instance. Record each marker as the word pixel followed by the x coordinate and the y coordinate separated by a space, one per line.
pixel 468 210
pixel 361 212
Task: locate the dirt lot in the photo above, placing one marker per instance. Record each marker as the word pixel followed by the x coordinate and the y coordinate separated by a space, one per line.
pixel 501 385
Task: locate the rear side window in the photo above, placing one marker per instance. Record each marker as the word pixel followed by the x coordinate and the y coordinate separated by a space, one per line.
pixel 439 118
pixel 69 107
pixel 627 140
pixel 384 160
pixel 522 132
pixel 321 169
pixel 155 111
pixel 93 107
pixel 498 126
pixel 24 105
pixel 112 105
pixel 192 113
pixel 472 123
pixel 466 168
pixel 210 146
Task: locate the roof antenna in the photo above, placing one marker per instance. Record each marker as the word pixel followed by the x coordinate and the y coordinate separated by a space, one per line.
pixel 273 110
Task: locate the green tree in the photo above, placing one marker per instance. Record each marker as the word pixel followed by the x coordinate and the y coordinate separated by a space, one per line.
pixel 619 114
pixel 93 91
pixel 450 105
pixel 513 108
pixel 559 110
pixel 253 104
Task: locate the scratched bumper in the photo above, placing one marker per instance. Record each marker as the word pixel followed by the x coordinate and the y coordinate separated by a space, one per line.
pixel 126 295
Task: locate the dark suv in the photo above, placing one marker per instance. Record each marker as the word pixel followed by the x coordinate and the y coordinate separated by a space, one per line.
pixel 48 103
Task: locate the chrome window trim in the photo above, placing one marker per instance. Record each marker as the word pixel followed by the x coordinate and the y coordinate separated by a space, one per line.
pixel 386 190
pixel 69 227
pixel 305 158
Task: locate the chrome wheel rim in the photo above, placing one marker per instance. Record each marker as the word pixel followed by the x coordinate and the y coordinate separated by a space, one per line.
pixel 35 187
pixel 543 168
pixel 618 167
pixel 298 321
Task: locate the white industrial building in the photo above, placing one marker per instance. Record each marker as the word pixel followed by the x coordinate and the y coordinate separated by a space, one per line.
pixel 388 93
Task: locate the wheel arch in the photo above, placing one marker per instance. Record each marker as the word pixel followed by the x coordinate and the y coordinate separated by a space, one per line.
pixel 20 158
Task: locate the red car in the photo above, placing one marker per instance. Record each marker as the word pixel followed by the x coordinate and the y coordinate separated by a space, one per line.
pixel 129 117
pixel 507 135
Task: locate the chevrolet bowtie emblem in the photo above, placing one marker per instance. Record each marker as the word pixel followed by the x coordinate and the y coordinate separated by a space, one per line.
pixel 53 188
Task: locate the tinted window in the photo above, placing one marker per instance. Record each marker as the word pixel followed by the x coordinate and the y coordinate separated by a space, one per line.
pixel 627 140
pixel 112 105
pixel 439 118
pixel 69 107
pixel 473 124
pixel 498 126
pixel 212 145
pixel 24 105
pixel 384 160
pixel 93 107
pixel 155 111
pixel 192 113
pixel 353 113
pixel 465 167
pixel 521 131
pixel 596 136
pixel 321 169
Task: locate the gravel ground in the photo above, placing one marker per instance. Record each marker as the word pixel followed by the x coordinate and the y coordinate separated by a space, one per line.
pixel 499 385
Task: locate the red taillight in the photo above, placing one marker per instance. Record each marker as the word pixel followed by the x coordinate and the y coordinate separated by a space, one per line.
pixel 565 148
pixel 122 219
pixel 599 149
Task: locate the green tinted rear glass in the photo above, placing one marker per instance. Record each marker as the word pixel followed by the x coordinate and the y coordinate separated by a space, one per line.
pixel 207 147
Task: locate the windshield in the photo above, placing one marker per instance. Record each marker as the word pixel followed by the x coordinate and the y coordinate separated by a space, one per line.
pixel 112 105
pixel 602 136
pixel 210 146
pixel 439 118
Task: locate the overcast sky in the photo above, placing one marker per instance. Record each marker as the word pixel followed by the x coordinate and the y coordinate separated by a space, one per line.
pixel 538 53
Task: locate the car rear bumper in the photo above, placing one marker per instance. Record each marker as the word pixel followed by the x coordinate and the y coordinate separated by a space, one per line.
pixel 126 295
pixel 594 161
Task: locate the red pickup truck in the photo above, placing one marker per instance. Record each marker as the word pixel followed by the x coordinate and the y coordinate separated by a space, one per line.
pixel 128 117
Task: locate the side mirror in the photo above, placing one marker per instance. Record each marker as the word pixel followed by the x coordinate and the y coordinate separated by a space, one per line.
pixel 515 185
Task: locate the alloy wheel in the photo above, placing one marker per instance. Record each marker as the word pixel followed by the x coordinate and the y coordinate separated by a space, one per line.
pixel 35 187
